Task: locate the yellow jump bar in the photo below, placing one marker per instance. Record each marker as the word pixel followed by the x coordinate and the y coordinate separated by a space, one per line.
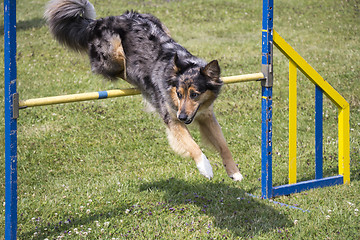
pixel 77 97
pixel 117 93
pixel 243 78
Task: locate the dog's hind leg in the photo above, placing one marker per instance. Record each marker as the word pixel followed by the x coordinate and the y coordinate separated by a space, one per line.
pixel 182 142
pixel 211 132
pixel 107 57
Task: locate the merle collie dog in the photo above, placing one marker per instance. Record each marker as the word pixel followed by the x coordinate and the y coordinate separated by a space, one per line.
pixel 139 49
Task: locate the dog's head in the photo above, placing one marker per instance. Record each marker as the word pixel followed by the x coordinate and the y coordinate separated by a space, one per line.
pixel 194 87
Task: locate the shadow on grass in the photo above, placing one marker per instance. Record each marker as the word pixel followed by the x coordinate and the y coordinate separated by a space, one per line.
pixel 28 24
pixel 231 207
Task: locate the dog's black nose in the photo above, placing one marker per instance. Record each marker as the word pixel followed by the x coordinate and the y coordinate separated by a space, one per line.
pixel 182 117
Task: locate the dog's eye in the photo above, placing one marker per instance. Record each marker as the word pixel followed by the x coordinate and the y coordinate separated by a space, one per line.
pixel 194 95
pixel 179 95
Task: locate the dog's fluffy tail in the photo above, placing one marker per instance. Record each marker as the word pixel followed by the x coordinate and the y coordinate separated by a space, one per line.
pixel 69 21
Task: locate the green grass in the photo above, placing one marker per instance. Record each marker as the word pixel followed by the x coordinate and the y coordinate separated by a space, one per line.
pixel 103 169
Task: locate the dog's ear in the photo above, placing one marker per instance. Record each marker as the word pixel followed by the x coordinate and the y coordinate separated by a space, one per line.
pixel 178 65
pixel 212 71
pixel 172 81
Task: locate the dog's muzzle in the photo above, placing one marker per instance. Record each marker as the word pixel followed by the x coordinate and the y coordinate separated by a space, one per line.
pixel 185 118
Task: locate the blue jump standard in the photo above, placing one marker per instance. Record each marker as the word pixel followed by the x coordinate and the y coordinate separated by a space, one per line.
pixel 318 133
pixel 306 185
pixel 10 76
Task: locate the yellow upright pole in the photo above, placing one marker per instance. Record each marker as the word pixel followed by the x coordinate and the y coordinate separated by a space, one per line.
pixel 344 143
pixel 292 121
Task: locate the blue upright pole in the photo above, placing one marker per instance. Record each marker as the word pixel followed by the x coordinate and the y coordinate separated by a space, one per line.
pixel 267 69
pixel 10 120
pixel 266 145
pixel 318 133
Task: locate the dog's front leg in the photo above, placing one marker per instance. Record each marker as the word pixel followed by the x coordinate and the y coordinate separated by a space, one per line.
pixel 211 132
pixel 182 142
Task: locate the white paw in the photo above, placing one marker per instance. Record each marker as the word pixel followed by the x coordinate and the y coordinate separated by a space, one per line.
pixel 237 176
pixel 205 167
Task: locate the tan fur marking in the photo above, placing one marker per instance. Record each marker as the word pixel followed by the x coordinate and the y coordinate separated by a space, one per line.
pixel 166 30
pixel 211 132
pixel 174 97
pixel 182 142
pixel 176 69
pixel 188 105
pixel 119 55
pixel 192 89
pixel 207 99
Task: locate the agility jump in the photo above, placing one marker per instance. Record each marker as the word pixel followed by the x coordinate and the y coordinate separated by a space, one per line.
pixel 119 92
pixel 269 38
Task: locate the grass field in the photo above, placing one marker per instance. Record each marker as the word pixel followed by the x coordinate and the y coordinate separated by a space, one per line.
pixel 103 169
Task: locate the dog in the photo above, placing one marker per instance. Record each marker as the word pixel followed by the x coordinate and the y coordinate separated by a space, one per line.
pixel 139 49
